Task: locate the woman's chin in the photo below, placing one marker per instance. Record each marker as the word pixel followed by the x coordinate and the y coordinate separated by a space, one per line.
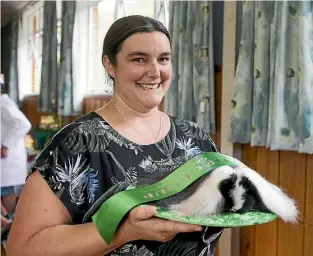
pixel 152 103
pixel 150 98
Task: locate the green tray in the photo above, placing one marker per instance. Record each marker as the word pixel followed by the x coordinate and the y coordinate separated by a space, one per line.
pixel 220 220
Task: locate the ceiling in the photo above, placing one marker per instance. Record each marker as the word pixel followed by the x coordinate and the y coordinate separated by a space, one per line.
pixel 9 7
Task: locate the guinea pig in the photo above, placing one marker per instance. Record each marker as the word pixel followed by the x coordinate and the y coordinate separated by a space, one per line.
pixel 227 189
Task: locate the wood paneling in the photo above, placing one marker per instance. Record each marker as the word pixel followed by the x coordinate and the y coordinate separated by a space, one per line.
pixel 92 103
pixel 308 215
pixel 268 167
pixel 218 105
pixel 218 114
pixel 294 173
pixel 30 110
pixel 292 178
pixel 247 235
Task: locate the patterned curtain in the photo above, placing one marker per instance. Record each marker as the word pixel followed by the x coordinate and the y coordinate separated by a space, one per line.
pixel 65 82
pixel 191 95
pixel 80 53
pixel 47 98
pixel 160 11
pixel 13 75
pixel 273 93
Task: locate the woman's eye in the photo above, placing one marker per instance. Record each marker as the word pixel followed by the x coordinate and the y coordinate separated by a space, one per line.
pixel 139 60
pixel 164 60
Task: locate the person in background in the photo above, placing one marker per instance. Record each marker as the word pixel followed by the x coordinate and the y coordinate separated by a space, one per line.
pixel 14 127
pixel 127 142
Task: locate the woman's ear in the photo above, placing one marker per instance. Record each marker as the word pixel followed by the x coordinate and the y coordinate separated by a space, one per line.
pixel 108 66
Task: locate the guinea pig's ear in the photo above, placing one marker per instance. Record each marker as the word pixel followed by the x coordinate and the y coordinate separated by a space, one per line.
pixel 228 190
pixel 246 197
pixel 274 199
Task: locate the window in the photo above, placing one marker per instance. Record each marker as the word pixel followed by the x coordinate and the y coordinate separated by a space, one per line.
pixel 29 50
pixel 59 28
pixel 101 17
pixel 30 47
pixel 92 21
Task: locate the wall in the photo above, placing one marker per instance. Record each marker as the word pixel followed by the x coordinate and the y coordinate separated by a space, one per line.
pixel 218 115
pixel 30 109
pixel 294 173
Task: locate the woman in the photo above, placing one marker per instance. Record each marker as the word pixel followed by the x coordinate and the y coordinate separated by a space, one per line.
pixel 127 142
pixel 14 127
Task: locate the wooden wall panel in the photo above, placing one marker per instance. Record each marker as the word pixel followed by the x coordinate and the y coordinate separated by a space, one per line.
pixel 266 235
pixel 92 103
pixel 218 105
pixel 292 171
pixel 30 110
pixel 308 215
pixel 218 115
pixel 247 234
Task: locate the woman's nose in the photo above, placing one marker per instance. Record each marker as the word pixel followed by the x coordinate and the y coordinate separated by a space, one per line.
pixel 153 71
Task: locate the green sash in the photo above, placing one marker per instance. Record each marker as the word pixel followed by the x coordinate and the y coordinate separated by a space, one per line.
pixel 112 211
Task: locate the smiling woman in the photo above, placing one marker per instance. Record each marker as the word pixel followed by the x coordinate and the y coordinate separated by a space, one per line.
pixel 126 143
pixel 142 69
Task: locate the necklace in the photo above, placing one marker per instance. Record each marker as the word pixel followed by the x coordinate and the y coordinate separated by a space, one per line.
pixel 123 119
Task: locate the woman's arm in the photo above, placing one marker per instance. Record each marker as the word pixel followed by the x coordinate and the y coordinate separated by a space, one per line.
pixel 40 227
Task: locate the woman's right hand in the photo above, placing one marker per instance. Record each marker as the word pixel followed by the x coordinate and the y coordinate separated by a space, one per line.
pixel 141 225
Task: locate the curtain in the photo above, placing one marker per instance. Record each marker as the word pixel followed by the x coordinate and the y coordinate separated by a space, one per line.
pixel 65 79
pixel 273 91
pixel 191 95
pixel 47 98
pixel 80 53
pixel 6 45
pixel 24 75
pixel 306 77
pixel 13 73
pixel 161 12
pixel 120 9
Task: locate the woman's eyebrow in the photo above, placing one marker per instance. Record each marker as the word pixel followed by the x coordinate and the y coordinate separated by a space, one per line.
pixel 166 54
pixel 139 53
pixel 136 53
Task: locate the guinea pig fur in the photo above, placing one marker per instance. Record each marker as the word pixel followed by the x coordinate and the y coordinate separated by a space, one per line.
pixel 240 190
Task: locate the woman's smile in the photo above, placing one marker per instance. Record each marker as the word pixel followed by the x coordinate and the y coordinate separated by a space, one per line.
pixel 148 87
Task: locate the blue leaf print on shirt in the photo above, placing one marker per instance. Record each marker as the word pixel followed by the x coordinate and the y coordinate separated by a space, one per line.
pixel 92 184
pixel 187 146
pixel 79 178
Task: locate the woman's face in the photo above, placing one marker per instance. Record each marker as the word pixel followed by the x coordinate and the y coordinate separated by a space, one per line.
pixel 143 70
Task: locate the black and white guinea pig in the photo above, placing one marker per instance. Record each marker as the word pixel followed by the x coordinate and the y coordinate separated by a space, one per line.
pixel 228 189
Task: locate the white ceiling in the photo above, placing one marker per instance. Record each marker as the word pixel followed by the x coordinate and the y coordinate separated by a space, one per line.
pixel 9 7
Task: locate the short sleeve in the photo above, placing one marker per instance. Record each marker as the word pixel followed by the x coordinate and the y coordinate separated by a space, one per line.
pixel 200 135
pixel 67 175
pixel 205 141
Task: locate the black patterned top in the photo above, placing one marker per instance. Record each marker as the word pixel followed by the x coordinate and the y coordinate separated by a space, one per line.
pixel 87 161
